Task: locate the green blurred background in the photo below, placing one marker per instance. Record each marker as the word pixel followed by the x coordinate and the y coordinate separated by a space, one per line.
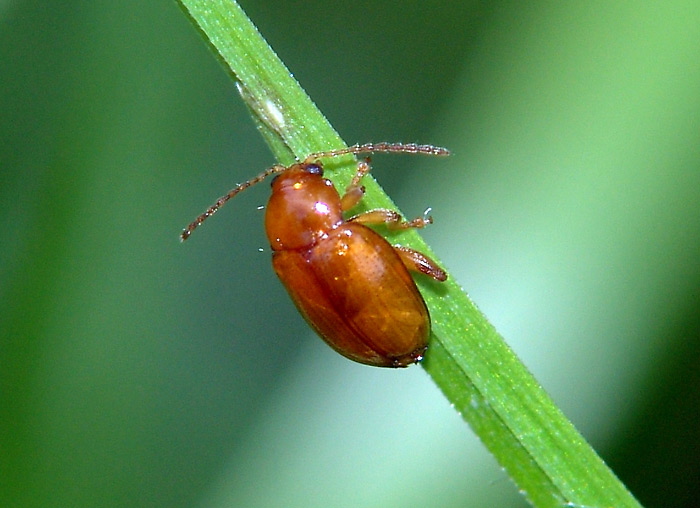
pixel 136 371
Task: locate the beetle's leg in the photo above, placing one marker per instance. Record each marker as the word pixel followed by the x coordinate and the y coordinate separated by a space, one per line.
pixel 363 167
pixel 354 191
pixel 352 196
pixel 416 261
pixel 413 260
pixel 391 218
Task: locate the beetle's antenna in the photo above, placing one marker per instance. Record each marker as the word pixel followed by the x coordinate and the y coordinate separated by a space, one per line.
pixel 277 168
pixel 411 148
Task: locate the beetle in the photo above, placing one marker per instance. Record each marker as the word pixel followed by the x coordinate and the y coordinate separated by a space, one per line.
pixel 350 284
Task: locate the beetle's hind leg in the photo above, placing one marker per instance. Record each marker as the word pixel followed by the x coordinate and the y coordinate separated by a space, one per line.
pixel 416 261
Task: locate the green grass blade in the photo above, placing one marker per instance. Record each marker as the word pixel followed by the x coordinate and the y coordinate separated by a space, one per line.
pixel 493 391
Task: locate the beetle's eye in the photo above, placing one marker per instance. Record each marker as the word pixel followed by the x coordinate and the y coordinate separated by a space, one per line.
pixel 314 169
pixel 274 179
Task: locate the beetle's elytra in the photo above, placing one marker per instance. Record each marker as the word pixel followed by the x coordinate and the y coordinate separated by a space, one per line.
pixel 349 283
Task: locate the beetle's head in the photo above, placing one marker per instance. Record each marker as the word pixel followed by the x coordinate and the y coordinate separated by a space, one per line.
pixel 303 207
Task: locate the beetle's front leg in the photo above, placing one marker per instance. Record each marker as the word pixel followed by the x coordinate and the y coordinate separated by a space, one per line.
pixel 354 191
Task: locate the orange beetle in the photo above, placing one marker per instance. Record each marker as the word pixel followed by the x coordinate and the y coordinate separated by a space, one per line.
pixel 348 282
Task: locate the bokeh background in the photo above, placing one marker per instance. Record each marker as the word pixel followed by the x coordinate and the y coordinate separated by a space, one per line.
pixel 136 371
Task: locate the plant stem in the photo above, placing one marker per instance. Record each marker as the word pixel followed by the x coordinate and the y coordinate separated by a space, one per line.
pixel 493 391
